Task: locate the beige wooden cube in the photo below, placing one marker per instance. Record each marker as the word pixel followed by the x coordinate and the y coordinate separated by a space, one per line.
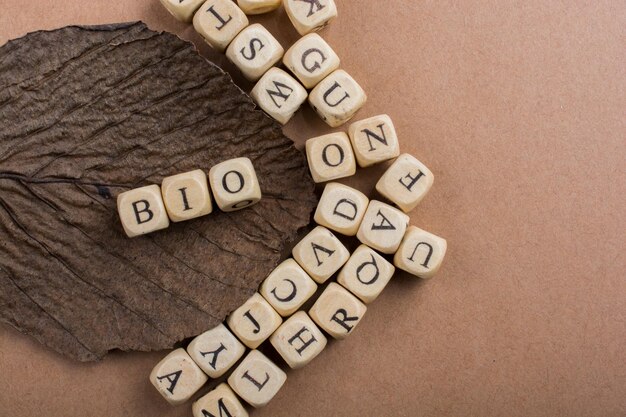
pixel 321 254
pixel 366 274
pixel 383 227
pixel 216 351
pixel 337 98
pixel 182 10
pixel 341 208
pixel 254 321
pixel 374 140
pixel 330 157
pixel 257 379
pixel 235 185
pixel 311 59
pixel 310 15
pixel 177 377
pixel 186 196
pixel 219 21
pixel 254 51
pixel 298 340
pixel 406 182
pixel 288 287
pixel 279 94
pixel 421 253
pixel 142 211
pixel 252 7
pixel 220 402
pixel 337 311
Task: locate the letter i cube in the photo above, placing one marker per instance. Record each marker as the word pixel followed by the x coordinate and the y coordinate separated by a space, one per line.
pixel 142 210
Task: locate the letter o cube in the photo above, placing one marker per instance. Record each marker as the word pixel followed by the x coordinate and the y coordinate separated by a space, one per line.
pixel 311 59
pixel 235 185
pixel 341 208
pixel 142 210
pixel 330 157
pixel 337 98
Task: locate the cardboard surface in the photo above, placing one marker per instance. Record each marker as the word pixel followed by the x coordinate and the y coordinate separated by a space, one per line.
pixel 518 109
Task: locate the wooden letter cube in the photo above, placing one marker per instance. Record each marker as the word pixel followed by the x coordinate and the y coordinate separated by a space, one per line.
pixel 310 15
pixel 311 59
pixel 341 208
pixel 254 51
pixel 288 287
pixel 220 402
pixel 257 379
pixel 406 182
pixel 321 254
pixel 142 210
pixel 234 184
pixel 298 340
pixel 258 6
pixel 279 95
pixel 330 157
pixel 182 10
pixel 337 311
pixel 374 140
pixel 186 196
pixel 254 321
pixel 219 21
pixel 366 274
pixel 177 377
pixel 216 350
pixel 337 98
pixel 383 227
pixel 421 253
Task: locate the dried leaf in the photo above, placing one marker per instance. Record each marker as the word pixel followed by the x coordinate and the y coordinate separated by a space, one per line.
pixel 89 112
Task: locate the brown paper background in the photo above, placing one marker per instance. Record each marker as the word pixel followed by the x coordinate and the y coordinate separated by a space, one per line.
pixel 519 109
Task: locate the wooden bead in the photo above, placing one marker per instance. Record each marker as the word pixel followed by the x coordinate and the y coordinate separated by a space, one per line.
pixel 383 227
pixel 288 287
pixel 320 253
pixel 219 21
pixel 341 208
pixel 186 196
pixel 216 351
pixel 254 321
pixel 366 274
pixel 220 402
pixel 252 7
pixel 142 211
pixel 257 379
pixel 421 253
pixel 177 377
pixel 279 95
pixel 337 98
pixel 406 182
pixel 311 59
pixel 310 15
pixel 337 311
pixel 374 140
pixel 298 340
pixel 182 10
pixel 330 157
pixel 254 51
pixel 234 184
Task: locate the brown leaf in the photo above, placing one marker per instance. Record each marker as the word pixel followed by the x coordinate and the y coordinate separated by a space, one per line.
pixel 89 112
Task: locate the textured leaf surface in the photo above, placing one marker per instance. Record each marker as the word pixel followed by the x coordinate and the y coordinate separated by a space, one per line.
pixel 89 112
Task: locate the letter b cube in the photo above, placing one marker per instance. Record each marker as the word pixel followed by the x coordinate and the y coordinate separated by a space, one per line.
pixel 142 210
